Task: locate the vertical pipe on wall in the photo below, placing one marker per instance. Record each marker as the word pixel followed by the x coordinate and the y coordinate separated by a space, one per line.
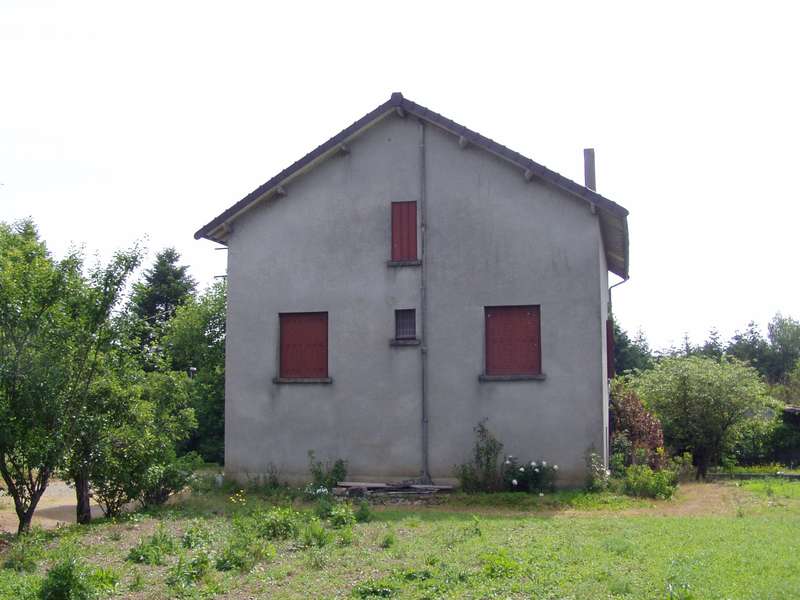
pixel 425 475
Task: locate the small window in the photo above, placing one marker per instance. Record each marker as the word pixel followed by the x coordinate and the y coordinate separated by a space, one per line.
pixel 304 345
pixel 513 340
pixel 405 324
pixel 404 231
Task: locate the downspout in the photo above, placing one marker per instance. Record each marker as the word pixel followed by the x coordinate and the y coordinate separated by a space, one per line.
pixel 425 476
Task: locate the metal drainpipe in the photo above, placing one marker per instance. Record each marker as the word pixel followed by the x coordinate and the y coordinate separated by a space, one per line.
pixel 425 475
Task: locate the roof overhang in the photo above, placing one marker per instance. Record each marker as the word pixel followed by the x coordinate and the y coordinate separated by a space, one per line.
pixel 613 217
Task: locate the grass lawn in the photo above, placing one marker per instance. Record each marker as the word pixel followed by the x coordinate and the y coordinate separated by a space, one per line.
pixel 712 541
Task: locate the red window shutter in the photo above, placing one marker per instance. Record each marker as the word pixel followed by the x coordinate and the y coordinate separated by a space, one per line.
pixel 304 345
pixel 513 340
pixel 404 231
pixel 610 367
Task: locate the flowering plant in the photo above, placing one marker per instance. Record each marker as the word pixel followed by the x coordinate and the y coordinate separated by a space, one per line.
pixel 532 476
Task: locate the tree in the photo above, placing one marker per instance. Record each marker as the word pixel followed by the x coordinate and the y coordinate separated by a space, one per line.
pixel 630 354
pixel 195 341
pixel 634 430
pixel 784 338
pixel 750 346
pixel 700 401
pixel 165 286
pixel 53 329
pixel 712 347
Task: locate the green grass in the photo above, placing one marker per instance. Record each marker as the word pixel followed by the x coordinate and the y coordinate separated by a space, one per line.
pixel 565 545
pixel 773 488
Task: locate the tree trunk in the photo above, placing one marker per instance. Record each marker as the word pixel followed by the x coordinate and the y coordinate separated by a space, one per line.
pixel 83 510
pixel 26 516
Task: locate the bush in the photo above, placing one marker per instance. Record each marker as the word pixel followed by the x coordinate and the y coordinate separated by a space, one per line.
pixel 533 476
pixel 639 431
pixel 71 579
pixel 499 564
pixel 597 476
pixel 242 553
pixel 314 535
pixel 364 512
pixel 163 479
pixel 323 507
pixel 641 481
pixel 481 473
pixel 388 541
pixel 328 474
pixel 278 523
pixel 342 515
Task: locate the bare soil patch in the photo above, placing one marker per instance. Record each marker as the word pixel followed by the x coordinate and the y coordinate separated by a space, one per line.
pixel 57 507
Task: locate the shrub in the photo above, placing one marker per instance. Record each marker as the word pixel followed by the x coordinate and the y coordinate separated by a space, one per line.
pixel 242 553
pixel 326 474
pixel 153 550
pixel 639 429
pixel 163 479
pixel 342 515
pixel 481 473
pixel 323 507
pixel 278 523
pixel 388 541
pixel 641 481
pixel 71 579
pixel 314 535
pixel 533 476
pixel 345 536
pixel 597 475
pixel 364 512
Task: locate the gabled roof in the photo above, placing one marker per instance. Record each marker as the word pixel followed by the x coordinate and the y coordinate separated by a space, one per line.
pixel 613 217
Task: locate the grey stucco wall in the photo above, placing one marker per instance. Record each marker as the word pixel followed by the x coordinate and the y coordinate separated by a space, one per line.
pixel 493 239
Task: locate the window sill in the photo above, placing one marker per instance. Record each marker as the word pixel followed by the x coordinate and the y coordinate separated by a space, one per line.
pixel 493 378
pixel 404 263
pixel 404 342
pixel 283 380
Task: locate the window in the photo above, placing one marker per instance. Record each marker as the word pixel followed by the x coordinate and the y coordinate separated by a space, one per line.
pixel 405 324
pixel 404 231
pixel 513 341
pixel 304 345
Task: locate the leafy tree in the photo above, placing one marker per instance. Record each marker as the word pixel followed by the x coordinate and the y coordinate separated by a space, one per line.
pixel 195 341
pixel 630 354
pixel 52 331
pixel 700 402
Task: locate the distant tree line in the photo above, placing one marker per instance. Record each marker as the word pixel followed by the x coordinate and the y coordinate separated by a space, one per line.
pixel 722 401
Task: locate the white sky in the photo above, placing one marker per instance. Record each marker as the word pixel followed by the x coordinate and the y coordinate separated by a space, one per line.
pixel 124 119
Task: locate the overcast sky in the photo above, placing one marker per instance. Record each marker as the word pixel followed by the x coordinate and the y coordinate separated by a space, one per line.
pixel 149 118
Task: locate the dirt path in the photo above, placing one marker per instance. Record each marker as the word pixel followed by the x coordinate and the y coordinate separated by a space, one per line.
pixel 695 499
pixel 56 507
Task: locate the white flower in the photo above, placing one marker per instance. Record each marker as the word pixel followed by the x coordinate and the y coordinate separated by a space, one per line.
pixel 533 463
pixel 508 462
pixel 522 469
pixel 541 495
pixel 555 467
pixel 544 463
pixel 513 482
pixel 608 473
pixel 536 470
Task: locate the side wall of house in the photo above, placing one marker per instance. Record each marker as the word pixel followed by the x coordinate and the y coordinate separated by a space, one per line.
pixel 493 239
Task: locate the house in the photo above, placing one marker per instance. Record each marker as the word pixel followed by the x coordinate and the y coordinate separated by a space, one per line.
pixel 405 280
